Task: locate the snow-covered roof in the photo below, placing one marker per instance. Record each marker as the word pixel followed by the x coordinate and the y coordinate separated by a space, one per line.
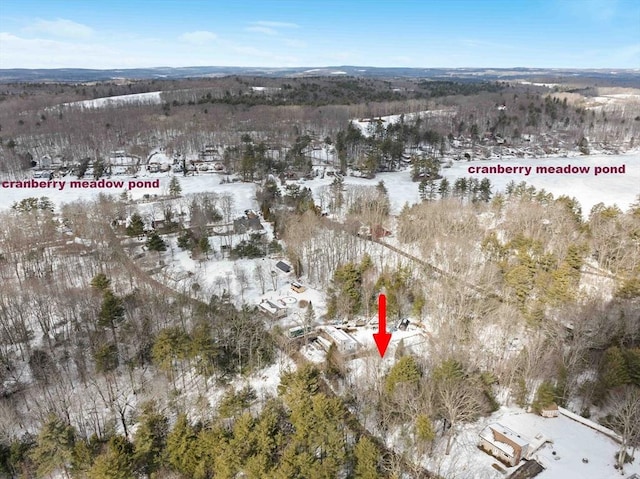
pixel 339 336
pixel 536 443
pixel 488 435
pixel 511 434
pixel 269 306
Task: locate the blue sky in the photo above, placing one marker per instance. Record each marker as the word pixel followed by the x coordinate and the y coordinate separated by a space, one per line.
pixel 419 33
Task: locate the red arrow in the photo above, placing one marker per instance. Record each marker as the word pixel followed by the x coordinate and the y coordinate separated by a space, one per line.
pixel 382 338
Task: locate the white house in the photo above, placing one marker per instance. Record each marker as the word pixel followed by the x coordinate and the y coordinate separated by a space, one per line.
pixel 345 343
pixel 503 443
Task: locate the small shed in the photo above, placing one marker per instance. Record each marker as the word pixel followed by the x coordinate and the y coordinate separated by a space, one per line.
pixel 272 309
pixel 297 287
pixel 282 266
pixel 550 411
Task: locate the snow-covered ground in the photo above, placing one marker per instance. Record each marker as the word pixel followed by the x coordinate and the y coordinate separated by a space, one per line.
pixel 570 443
pixel 367 126
pixel 620 189
pixel 588 189
pixel 243 193
pixel 149 98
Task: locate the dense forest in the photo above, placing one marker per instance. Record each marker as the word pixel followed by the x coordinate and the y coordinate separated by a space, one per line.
pixel 41 119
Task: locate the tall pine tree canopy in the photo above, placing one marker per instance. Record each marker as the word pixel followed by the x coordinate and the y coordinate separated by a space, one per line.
pixel 136 225
pixel 156 243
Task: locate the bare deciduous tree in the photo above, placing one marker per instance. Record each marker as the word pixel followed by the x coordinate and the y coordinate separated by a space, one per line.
pixel 625 419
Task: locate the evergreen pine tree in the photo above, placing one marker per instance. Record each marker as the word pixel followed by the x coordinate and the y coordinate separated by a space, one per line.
pixel 100 282
pixel 204 245
pixel 485 190
pixel 171 344
pixel 204 349
pixel 629 289
pixel 106 358
pixel 185 241
pixel 427 189
pixel 614 373
pixel 174 187
pixel 156 243
pixel 243 442
pixel 545 397
pixel 136 225
pixel 445 188
pixel 150 439
pixel 632 358
pixel 268 440
pixel 404 371
pixel 448 369
pixel 366 455
pixel 334 365
pixel 309 315
pixel 115 463
pixel 424 428
pixel 111 310
pixel 460 188
pixel 215 458
pixel 54 446
pixel 181 452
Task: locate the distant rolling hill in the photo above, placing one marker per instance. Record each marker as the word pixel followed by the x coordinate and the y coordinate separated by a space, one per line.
pixel 80 75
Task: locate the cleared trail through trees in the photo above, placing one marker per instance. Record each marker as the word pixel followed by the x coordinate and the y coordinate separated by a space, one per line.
pixel 441 272
pixel 426 265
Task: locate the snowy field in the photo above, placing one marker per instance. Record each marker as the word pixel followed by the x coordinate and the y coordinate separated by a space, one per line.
pixel 588 189
pixel 620 189
pixel 368 127
pixel 149 98
pixel 243 193
pixel 570 443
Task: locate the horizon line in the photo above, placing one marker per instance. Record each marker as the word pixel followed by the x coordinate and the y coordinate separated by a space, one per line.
pixel 330 67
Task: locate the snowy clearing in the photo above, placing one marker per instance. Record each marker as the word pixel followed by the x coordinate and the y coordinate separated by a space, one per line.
pixel 149 98
pixel 570 443
pixel 588 189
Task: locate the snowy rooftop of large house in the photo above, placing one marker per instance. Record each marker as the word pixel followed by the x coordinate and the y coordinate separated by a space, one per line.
pixel 339 335
pixel 565 443
pixel 510 433
pixel 487 434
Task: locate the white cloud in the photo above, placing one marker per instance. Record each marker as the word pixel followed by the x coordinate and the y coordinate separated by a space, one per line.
pixel 269 28
pixel 60 27
pixel 268 24
pixel 20 52
pixel 199 37
pixel 265 30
